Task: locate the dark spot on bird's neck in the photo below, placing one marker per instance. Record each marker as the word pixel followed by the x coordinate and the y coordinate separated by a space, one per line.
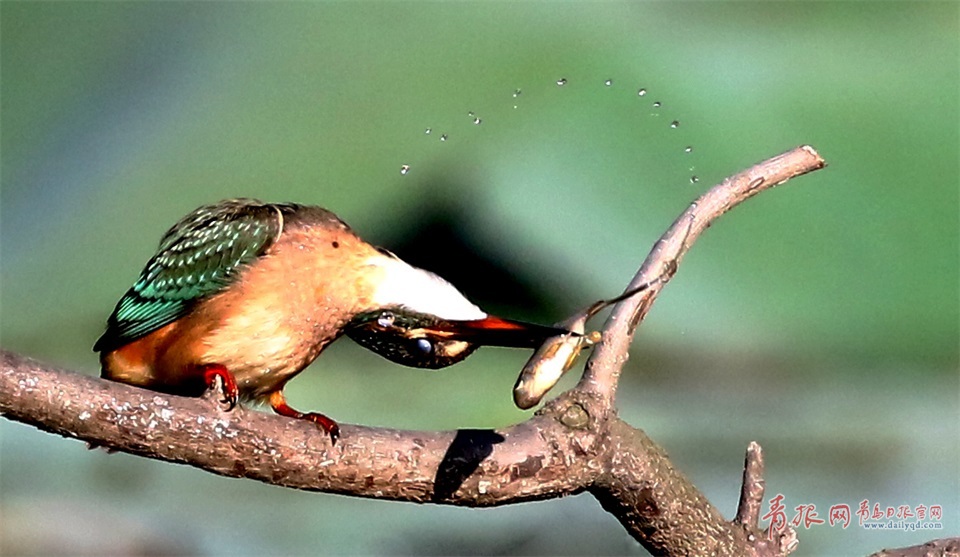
pixel 336 244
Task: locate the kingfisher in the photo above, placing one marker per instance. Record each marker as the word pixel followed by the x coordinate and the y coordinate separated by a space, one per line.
pixel 248 294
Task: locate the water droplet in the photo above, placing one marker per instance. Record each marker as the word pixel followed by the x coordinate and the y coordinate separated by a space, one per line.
pixel 694 179
pixel 657 104
pixel 675 124
pixel 562 81
pixel 443 137
pixel 428 131
pixel 608 82
pixel 471 114
pixel 688 149
pixel 516 93
pixel 641 92
pixel 404 169
pixel 477 121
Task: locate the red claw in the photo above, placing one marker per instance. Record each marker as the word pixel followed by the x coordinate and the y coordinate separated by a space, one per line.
pixel 230 390
pixel 280 406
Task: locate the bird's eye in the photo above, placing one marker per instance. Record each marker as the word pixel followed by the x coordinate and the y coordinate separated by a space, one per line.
pixel 424 345
pixel 386 319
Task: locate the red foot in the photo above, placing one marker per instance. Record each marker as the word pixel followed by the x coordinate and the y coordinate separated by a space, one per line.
pixel 280 406
pixel 230 390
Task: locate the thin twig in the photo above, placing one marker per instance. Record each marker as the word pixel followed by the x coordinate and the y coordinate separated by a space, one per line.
pixel 606 363
pixel 751 493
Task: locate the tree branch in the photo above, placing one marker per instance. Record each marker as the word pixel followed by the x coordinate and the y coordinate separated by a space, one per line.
pixel 574 443
pixel 751 494
pixel 606 362
pixel 945 547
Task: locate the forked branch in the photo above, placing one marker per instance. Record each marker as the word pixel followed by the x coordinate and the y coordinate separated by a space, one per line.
pixel 574 443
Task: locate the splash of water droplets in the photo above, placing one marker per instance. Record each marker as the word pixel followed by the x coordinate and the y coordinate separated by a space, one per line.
pixel 561 82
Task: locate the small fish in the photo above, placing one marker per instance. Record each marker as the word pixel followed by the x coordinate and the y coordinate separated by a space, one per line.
pixel 558 353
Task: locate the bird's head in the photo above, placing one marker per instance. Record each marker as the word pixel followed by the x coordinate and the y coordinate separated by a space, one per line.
pixel 420 320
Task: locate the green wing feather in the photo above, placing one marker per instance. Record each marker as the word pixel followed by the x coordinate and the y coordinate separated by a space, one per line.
pixel 198 257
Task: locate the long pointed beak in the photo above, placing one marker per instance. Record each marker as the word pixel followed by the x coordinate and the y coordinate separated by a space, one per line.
pixel 494 331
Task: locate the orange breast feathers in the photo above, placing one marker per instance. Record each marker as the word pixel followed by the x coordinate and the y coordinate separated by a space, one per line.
pixel 266 326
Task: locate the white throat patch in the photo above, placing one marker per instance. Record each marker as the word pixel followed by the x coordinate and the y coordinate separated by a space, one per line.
pixel 421 291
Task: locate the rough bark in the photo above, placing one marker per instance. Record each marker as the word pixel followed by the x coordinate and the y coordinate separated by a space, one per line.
pixel 574 443
pixel 946 547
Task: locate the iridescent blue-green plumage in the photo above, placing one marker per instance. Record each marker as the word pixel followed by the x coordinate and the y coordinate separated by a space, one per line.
pixel 247 294
pixel 198 257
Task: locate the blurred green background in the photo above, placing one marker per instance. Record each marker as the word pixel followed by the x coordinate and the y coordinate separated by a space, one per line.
pixel 820 319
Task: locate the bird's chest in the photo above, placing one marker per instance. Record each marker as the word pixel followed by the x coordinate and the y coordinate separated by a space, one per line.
pixel 264 346
pixel 277 322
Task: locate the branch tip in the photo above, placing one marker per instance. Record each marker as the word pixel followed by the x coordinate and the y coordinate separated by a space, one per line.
pixel 606 363
pixel 751 492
